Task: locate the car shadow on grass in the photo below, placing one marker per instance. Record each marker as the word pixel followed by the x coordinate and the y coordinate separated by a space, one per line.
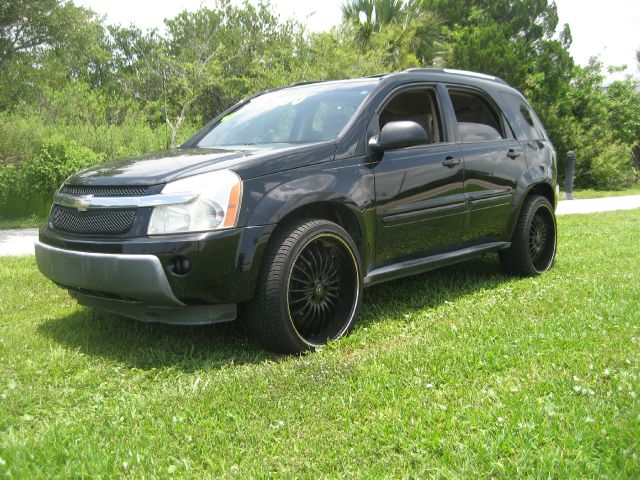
pixel 153 345
pixel 148 345
pixel 428 290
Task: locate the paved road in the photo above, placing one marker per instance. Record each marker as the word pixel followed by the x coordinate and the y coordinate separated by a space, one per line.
pixel 595 205
pixel 20 242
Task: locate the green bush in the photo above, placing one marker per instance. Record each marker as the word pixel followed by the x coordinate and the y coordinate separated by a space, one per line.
pixel 8 181
pixel 27 189
pixel 603 163
pixel 23 134
pixel 38 151
pixel 613 168
pixel 58 159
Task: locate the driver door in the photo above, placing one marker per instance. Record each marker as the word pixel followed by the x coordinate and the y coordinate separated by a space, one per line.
pixel 420 201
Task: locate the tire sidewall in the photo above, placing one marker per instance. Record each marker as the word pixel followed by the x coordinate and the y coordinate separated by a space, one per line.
pixel 320 229
pixel 535 205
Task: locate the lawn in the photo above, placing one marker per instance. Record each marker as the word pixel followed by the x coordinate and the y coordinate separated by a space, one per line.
pixel 33 221
pixel 589 193
pixel 459 373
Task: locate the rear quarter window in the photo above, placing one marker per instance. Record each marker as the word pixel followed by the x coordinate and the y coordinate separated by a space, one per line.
pixel 522 119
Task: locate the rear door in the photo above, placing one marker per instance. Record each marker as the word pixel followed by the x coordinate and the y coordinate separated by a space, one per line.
pixel 527 128
pixel 420 202
pixel 494 162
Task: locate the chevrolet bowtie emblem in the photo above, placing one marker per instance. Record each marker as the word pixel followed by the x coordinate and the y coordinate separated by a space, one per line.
pixel 83 203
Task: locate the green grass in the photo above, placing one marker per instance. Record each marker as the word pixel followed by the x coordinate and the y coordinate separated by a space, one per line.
pixel 33 221
pixel 459 373
pixel 589 193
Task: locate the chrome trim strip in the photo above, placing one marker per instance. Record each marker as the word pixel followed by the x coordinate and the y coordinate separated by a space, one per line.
pixel 89 201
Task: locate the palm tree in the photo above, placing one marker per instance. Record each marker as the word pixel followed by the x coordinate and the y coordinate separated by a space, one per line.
pixel 402 29
pixel 368 16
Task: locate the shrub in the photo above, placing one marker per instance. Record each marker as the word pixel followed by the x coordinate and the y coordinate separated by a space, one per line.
pixel 57 160
pixel 8 182
pixel 613 168
pixel 603 163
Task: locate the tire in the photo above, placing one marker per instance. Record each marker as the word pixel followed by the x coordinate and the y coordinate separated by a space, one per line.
pixel 534 242
pixel 309 290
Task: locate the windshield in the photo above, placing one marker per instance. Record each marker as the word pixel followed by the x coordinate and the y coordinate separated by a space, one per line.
pixel 304 114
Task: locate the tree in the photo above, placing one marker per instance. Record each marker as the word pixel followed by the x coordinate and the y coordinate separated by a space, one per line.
pixel 405 34
pixel 369 16
pixel 211 57
pixel 47 42
pixel 28 24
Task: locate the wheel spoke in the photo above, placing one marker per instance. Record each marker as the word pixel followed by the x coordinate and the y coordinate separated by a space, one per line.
pixel 320 289
pixel 301 299
pixel 303 271
pixel 306 290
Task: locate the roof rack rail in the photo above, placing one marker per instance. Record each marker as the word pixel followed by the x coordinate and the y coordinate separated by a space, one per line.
pixel 376 75
pixel 484 76
pixel 307 82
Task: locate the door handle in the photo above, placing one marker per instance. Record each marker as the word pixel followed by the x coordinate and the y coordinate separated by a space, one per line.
pixel 513 154
pixel 450 162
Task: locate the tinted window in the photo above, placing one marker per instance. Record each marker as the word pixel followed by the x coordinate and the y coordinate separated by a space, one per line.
pixel 522 118
pixel 415 105
pixel 303 114
pixel 477 120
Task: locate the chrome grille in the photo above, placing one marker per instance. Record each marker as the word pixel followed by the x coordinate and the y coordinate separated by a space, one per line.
pixel 105 190
pixel 99 221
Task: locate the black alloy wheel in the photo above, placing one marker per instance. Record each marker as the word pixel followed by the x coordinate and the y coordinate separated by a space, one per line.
pixel 542 239
pixel 322 289
pixel 534 242
pixel 310 288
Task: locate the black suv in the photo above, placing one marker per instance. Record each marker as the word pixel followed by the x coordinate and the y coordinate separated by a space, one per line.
pixel 293 200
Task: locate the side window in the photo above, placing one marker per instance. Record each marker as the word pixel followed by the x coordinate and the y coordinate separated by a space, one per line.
pixel 418 106
pixel 477 119
pixel 522 118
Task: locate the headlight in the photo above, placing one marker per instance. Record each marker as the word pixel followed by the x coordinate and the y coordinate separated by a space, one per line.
pixel 216 206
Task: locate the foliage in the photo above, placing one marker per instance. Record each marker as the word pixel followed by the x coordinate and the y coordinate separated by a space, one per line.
pixel 48 42
pixel 369 16
pixel 8 182
pixel 403 34
pixel 27 189
pixel 26 25
pixel 119 91
pixel 57 160
pixel 458 373
pixel 604 164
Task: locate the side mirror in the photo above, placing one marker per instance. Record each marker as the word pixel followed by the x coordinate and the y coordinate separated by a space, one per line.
pixel 400 134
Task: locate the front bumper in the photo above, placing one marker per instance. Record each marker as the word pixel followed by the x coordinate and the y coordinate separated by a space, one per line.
pixel 138 278
pixel 135 277
pixel 134 286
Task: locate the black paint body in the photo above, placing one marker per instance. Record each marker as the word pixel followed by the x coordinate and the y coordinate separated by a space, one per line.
pixel 404 206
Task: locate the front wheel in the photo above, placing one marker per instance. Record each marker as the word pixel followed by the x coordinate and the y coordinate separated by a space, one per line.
pixel 534 242
pixel 309 290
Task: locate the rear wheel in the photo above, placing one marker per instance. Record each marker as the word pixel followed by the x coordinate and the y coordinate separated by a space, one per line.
pixel 534 242
pixel 310 288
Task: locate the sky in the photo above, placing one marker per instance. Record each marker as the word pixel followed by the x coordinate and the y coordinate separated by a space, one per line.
pixel 607 29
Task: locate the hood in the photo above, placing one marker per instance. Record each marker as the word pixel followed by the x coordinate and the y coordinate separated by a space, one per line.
pixel 163 167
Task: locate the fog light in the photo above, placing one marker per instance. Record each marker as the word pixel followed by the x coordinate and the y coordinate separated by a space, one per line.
pixel 180 266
